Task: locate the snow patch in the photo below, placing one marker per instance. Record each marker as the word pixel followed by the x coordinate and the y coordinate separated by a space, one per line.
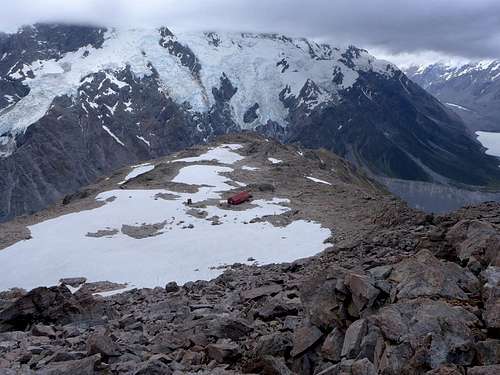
pixel 144 140
pixel 137 171
pixel 318 180
pixel 458 107
pixel 223 154
pixel 106 129
pixel 186 248
pixel 247 168
pixel 274 161
pixel 491 141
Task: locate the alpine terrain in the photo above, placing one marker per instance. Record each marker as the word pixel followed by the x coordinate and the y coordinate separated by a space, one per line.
pixel 471 90
pixel 151 270
pixel 78 102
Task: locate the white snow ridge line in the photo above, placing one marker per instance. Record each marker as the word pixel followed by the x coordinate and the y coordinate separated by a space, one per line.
pixel 113 135
pixel 318 180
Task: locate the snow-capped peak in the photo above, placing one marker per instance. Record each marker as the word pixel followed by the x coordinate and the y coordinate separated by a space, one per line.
pixel 190 66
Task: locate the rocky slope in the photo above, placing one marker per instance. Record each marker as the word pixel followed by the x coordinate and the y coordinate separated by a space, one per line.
pixel 471 90
pixel 396 292
pixel 79 102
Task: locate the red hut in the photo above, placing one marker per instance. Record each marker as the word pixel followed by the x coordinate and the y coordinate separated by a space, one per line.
pixel 239 198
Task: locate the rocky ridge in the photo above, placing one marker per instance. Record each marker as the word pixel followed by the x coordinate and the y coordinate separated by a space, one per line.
pixel 405 293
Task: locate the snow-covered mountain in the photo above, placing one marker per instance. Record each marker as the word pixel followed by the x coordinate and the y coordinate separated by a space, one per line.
pixel 78 102
pixel 471 90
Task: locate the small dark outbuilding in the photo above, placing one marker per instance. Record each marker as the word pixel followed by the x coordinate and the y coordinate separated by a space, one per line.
pixel 239 198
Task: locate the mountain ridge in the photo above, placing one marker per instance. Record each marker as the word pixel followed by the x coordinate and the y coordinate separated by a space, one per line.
pixel 72 113
pixel 472 90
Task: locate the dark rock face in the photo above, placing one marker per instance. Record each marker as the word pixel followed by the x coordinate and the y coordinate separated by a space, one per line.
pixel 47 305
pixel 398 301
pixel 397 114
pixel 383 122
pixel 471 90
pixel 39 42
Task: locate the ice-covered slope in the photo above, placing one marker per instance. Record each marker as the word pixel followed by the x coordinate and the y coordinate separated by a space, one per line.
pixel 79 102
pixel 189 67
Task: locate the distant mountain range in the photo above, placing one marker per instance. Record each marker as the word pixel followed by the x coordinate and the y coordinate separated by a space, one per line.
pixel 78 102
pixel 471 90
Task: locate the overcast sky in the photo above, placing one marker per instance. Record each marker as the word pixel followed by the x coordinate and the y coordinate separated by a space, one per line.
pixel 401 30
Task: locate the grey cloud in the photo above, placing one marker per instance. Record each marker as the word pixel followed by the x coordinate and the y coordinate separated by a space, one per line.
pixel 468 28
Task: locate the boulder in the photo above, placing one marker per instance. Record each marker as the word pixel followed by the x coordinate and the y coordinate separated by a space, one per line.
pixel 224 352
pixel 41 305
pixel 423 275
pixel 103 345
pixel 81 367
pixel 255 293
pixel 478 239
pixel 268 365
pixel 363 291
pixel 442 331
pixel 323 298
pixel 277 308
pixel 395 359
pixel 363 367
pixel 304 338
pixel 332 346
pixel 488 352
pixel 172 287
pixel 276 345
pixel 491 297
pixel 153 367
pixel 353 337
pixel 43 330
pixel 229 328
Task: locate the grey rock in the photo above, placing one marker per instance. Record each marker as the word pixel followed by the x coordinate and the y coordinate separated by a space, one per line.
pixel 484 370
pixel 362 290
pixel 224 352
pixel 380 272
pixel 255 293
pixel 275 344
pixel 488 352
pixel 478 239
pixel 269 365
pixel 363 367
pixel 332 346
pixel 43 330
pixel 423 275
pixel 491 297
pixel 172 287
pixel 277 308
pixel 153 367
pixel 103 345
pixel 304 338
pixel 44 305
pixel 443 330
pixel 445 370
pixel 82 367
pixel 353 337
